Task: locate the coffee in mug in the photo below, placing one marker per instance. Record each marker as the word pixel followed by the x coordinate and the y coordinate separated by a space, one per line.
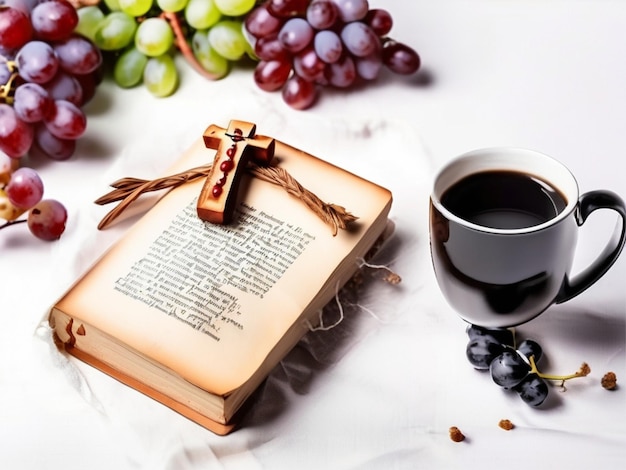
pixel 503 229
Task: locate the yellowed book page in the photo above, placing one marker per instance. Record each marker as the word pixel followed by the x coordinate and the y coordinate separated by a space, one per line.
pixel 210 301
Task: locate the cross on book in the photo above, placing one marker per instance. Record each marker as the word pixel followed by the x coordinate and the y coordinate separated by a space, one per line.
pixel 235 146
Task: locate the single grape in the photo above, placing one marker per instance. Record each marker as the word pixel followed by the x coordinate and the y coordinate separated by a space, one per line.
pixel 270 48
pixel 272 75
pixel 400 58
pixel 227 39
pixel 154 37
pixel 287 8
pixel 261 23
pixel 115 31
pixel 532 389
pixel 25 189
pixel 16 136
pixel 500 335
pixel 328 46
pixel 7 166
pixel 172 5
pixel 295 34
pixel 202 14
pixel 66 120
pixel 208 58
pixel 360 39
pixel 234 7
pixel 15 28
pixel 89 17
pixel 135 7
pixel 379 20
pixel 342 73
pixel 308 65
pixel 47 220
pixel 37 62
pixel 78 55
pixel 299 93
pixel 54 20
pixel 482 350
pixel 65 87
pixel 50 146
pixel 509 368
pixel 322 14
pixel 529 347
pixel 7 210
pixel 128 69
pixel 31 102
pixel 160 76
pixel 368 68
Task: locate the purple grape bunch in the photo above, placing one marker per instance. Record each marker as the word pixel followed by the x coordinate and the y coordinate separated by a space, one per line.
pixel 47 74
pixel 510 366
pixel 304 45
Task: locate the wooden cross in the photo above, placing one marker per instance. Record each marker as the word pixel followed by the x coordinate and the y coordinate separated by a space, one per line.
pixel 235 147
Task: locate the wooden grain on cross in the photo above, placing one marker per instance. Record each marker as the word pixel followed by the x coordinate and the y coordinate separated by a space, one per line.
pixel 235 146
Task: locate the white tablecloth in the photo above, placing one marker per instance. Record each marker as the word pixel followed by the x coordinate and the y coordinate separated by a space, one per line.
pixel 381 389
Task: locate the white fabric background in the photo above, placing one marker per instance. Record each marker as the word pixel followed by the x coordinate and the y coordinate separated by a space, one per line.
pixel 382 388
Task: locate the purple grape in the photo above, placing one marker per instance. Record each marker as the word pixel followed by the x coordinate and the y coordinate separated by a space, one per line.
pixel 37 62
pixel 295 34
pixel 482 350
pixel 16 136
pixel 360 39
pixel 322 14
pixel 400 58
pixel 532 389
pixel 308 65
pixel 47 220
pixel 328 46
pixel 49 146
pixel 77 55
pixel 66 120
pixel 65 87
pixel 351 10
pixel 509 368
pixel 54 20
pixel 31 102
pixel 500 335
pixel 260 22
pixel 529 348
pixel 368 68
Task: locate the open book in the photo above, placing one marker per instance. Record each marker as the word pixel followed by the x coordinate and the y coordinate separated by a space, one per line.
pixel 196 315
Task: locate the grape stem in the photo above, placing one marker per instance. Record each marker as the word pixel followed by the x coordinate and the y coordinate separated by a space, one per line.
pixel 7 88
pixel 8 223
pixel 181 44
pixel 582 372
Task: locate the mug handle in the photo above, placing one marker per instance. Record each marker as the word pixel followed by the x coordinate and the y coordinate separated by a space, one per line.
pixel 588 203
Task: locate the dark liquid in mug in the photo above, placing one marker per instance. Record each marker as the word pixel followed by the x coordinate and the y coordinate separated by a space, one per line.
pixel 503 199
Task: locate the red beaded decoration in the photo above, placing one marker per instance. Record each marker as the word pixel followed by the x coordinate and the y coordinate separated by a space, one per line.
pixel 229 164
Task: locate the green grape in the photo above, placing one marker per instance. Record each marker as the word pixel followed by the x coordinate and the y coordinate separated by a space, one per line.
pixel 115 31
pixel 210 60
pixel 160 75
pixel 227 38
pixel 202 14
pixel 234 7
pixel 154 37
pixel 135 7
pixel 89 18
pixel 113 5
pixel 172 5
pixel 128 70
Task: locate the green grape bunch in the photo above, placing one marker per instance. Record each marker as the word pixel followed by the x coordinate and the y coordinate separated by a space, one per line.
pixel 141 37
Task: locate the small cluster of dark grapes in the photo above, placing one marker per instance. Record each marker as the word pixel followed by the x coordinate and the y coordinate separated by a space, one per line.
pixel 47 73
pixel 21 191
pixel 306 44
pixel 510 366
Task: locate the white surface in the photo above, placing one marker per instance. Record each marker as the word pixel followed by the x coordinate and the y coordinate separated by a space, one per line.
pixel 382 388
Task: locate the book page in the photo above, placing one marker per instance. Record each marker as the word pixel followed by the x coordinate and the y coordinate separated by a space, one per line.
pixel 211 301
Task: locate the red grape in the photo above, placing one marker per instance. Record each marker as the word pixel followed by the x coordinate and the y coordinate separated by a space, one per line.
pixel 400 58
pixel 78 55
pixel 260 22
pixel 50 146
pixel 299 93
pixel 47 220
pixel 25 189
pixel 66 120
pixel 271 75
pixel 16 136
pixel 37 62
pixel 31 102
pixel 54 20
pixel 15 28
